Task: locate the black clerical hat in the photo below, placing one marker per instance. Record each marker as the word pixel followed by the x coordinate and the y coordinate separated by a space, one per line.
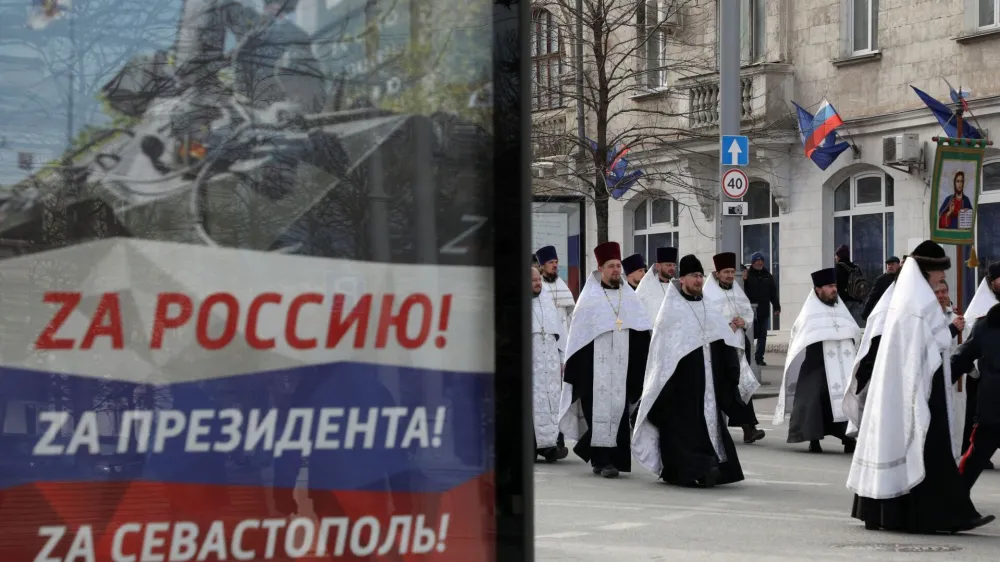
pixel 823 277
pixel 666 255
pixel 725 260
pixel 545 254
pixel 688 265
pixel 891 259
pixel 633 263
pixel 930 257
pixel 994 271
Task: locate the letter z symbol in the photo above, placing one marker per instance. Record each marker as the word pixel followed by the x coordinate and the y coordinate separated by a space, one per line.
pixel 451 247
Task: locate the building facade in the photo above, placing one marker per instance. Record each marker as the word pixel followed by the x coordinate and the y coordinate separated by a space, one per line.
pixel 861 55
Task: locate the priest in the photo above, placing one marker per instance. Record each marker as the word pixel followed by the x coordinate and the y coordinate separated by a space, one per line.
pixel 553 286
pixel 864 362
pixel 653 286
pixel 984 299
pixel 547 343
pixel 691 386
pixel 904 473
pixel 605 361
pixel 821 352
pixel 730 300
pixel 634 269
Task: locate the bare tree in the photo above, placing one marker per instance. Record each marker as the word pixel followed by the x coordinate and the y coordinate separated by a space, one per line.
pixel 647 65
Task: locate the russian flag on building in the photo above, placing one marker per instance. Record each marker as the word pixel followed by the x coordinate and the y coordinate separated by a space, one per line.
pixel 824 122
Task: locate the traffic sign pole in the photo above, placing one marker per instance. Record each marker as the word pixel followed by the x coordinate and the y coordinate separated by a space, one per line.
pixel 729 234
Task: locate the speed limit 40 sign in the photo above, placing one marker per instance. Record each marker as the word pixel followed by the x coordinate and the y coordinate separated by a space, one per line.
pixel 735 183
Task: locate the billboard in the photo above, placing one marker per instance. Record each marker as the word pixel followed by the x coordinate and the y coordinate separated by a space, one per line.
pixel 248 271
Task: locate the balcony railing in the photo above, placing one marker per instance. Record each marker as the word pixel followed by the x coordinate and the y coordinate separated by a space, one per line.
pixel 764 93
pixel 548 137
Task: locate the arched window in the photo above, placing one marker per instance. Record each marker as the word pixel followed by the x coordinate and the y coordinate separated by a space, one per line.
pixel 654 225
pixel 760 232
pixel 988 220
pixel 546 60
pixel 863 219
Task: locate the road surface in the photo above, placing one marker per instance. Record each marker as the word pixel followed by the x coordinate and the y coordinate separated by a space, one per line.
pixel 793 506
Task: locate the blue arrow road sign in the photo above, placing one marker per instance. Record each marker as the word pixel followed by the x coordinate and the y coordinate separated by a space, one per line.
pixel 735 150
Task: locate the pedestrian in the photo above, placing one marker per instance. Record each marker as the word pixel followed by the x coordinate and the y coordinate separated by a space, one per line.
pixel 984 299
pixel 880 285
pixel 692 382
pixel 852 285
pixel 653 286
pixel 983 347
pixel 904 473
pixel 762 290
pixel 820 354
pixel 547 343
pixel 634 269
pixel 730 300
pixel 553 286
pixel 605 362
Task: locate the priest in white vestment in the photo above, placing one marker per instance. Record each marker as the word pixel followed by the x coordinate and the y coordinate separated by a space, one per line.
pixel 635 269
pixel 547 343
pixel 725 293
pixel 821 351
pixel 605 361
pixel 553 286
pixel 864 362
pixel 982 302
pixel 690 388
pixel 904 473
pixel 653 287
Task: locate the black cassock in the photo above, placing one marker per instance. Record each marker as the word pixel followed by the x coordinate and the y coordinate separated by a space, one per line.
pixel 579 372
pixel 812 415
pixel 678 413
pixel 941 501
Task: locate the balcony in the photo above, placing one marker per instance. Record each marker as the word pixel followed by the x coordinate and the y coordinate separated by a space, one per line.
pixel 548 137
pixel 765 92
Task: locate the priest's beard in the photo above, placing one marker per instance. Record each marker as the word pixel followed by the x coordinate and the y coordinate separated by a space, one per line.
pixel 613 283
pixel 534 293
pixel 725 286
pixel 550 278
pixel 828 301
pixel 664 278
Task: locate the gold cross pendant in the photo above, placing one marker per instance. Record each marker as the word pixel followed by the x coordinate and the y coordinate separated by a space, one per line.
pixel 618 322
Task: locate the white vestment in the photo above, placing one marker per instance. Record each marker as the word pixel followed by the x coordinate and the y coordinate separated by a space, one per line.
pixel 981 303
pixel 836 328
pixel 889 458
pixel 651 292
pixel 547 343
pixel 594 321
pixel 854 402
pixel 731 303
pixel 676 333
pixel 560 295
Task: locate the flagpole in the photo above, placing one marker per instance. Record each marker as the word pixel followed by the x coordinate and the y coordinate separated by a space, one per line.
pixel 72 71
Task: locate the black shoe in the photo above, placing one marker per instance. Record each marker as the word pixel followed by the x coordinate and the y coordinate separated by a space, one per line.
pixel 550 455
pixel 849 445
pixel 760 362
pixel 751 434
pixel 710 479
pixel 989 465
pixel 561 453
pixel 872 526
pixel 609 472
pixel 974 524
pixel 597 470
pixel 814 447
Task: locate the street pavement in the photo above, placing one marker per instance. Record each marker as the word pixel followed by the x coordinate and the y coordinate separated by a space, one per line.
pixel 793 506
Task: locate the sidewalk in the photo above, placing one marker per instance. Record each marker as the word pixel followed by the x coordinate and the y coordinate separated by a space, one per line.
pixel 770 375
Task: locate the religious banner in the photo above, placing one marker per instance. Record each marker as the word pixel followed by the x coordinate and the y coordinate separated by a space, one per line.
pixel 958 167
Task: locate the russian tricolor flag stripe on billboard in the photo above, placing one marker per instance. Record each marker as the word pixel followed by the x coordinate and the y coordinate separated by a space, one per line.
pixel 825 121
pixel 318 409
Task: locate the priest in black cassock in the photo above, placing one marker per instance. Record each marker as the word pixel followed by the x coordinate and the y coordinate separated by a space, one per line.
pixel 818 367
pixel 605 360
pixel 690 388
pixel 904 473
